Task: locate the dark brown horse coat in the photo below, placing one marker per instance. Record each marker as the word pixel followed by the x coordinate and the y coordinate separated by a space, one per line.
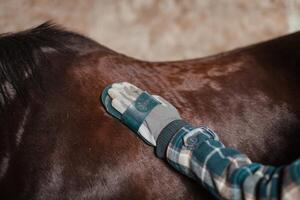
pixel 57 142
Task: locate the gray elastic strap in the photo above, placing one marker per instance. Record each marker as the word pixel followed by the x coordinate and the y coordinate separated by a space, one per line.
pixel 159 118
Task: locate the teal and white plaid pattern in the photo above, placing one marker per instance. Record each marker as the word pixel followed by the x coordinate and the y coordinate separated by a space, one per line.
pixel 226 173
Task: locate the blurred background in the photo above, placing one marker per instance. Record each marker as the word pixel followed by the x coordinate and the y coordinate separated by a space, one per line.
pixel 160 29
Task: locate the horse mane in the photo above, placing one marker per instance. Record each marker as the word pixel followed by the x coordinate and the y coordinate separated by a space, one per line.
pixel 23 54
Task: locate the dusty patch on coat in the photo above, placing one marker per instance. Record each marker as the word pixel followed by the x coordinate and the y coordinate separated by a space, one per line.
pixel 194 81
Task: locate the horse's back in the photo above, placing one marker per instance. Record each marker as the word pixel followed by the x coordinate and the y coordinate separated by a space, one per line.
pixel 249 96
pixel 70 148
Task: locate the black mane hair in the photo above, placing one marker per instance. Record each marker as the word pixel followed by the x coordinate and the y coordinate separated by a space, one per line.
pixel 22 54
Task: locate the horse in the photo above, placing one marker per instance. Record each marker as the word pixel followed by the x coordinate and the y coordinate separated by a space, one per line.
pixel 57 141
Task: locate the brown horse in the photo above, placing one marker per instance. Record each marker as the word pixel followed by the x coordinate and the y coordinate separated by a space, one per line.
pixel 57 142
